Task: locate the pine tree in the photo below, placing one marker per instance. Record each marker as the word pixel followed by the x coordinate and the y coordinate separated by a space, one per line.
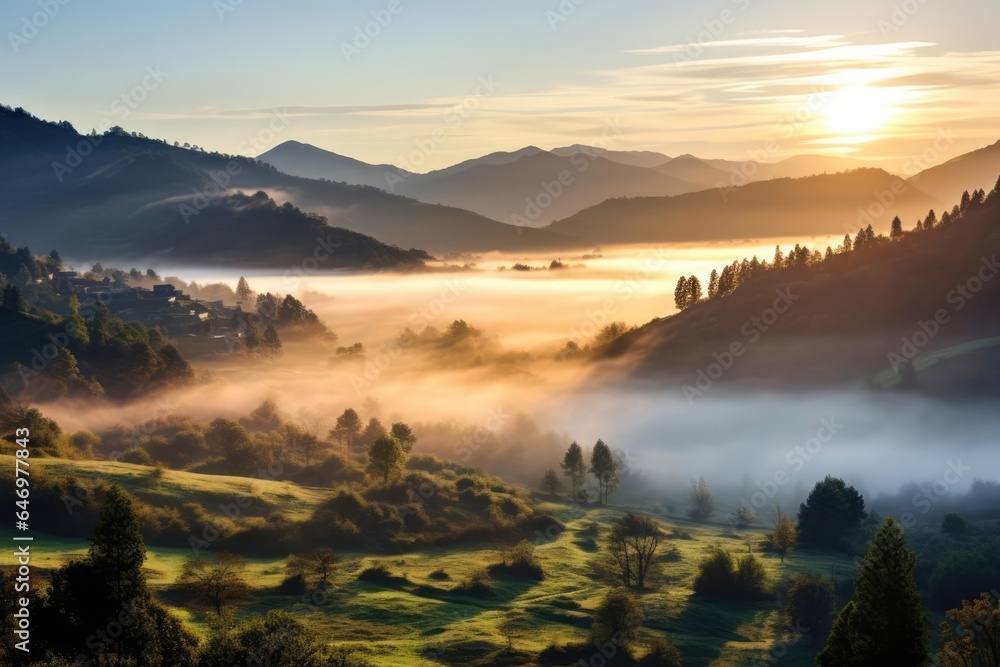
pixel 574 467
pixel 779 260
pixel 243 292
pixel 930 220
pixel 884 623
pixel 551 484
pixel 681 294
pixel 897 228
pixel 694 290
pixel 713 284
pixel 604 467
pixel 116 548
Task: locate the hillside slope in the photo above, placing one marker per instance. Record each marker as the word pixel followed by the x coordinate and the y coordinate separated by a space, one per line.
pixel 837 321
pixel 825 204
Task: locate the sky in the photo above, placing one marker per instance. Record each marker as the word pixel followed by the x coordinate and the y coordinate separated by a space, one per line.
pixel 424 84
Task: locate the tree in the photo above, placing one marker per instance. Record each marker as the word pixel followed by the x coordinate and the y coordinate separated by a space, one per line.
pixel 930 220
pixel 404 434
pixel 897 228
pixel 215 583
pixel 884 623
pixel 574 467
pixel 244 295
pixel 713 284
pixel 617 618
pixel 385 458
pixel 12 299
pixel 784 537
pixel 511 627
pixel 276 639
pixel 743 516
pixel 318 566
pixel 681 294
pixel 811 603
pixel 348 428
pixel 779 259
pixel 694 290
pixel 230 437
pixel 975 642
pixel 551 484
pixel 373 431
pixel 117 551
pixel 270 340
pixel 702 502
pixel 604 467
pixel 299 440
pixel 832 514
pixel 633 544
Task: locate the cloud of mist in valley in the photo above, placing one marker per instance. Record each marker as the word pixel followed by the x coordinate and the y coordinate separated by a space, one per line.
pixel 508 404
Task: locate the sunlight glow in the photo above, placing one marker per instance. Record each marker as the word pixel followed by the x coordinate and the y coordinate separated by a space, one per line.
pixel 855 111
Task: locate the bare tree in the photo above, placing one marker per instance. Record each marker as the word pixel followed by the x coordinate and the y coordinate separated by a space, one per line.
pixel 633 544
pixel 216 583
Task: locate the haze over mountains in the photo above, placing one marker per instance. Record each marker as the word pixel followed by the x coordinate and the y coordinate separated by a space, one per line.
pixel 534 187
pixel 126 196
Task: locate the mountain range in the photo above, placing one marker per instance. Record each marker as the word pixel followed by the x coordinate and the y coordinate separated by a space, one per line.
pixel 534 187
pixel 120 195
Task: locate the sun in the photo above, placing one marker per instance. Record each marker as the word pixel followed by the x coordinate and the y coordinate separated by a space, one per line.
pixel 857 110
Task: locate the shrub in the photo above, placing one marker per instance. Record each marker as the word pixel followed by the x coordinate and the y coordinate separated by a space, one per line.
pixel 477 582
pixel 377 573
pixel 812 602
pixel 662 654
pixel 719 575
pixel 136 455
pixel 439 575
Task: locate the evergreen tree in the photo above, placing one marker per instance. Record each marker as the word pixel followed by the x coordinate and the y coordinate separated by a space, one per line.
pixel 348 428
pixel 831 515
pixel 779 259
pixel 681 294
pixel 551 484
pixel 884 623
pixel 117 551
pixel 12 299
pixel 604 467
pixel 713 284
pixel 402 432
pixel 574 467
pixel 271 342
pixel 930 220
pixel 693 290
pixel 897 228
pixel 243 292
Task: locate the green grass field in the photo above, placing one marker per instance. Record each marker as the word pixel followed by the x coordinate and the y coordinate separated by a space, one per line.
pixel 399 622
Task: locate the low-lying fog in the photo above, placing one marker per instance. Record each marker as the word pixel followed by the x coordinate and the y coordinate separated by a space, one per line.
pixel 516 409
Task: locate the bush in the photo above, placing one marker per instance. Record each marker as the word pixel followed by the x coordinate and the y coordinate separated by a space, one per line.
pixel 378 573
pixel 137 456
pixel 719 575
pixel 662 654
pixel 439 575
pixel 812 603
pixel 477 582
pixel 519 561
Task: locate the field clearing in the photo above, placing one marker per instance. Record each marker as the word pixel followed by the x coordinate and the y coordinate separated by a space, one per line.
pixel 415 618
